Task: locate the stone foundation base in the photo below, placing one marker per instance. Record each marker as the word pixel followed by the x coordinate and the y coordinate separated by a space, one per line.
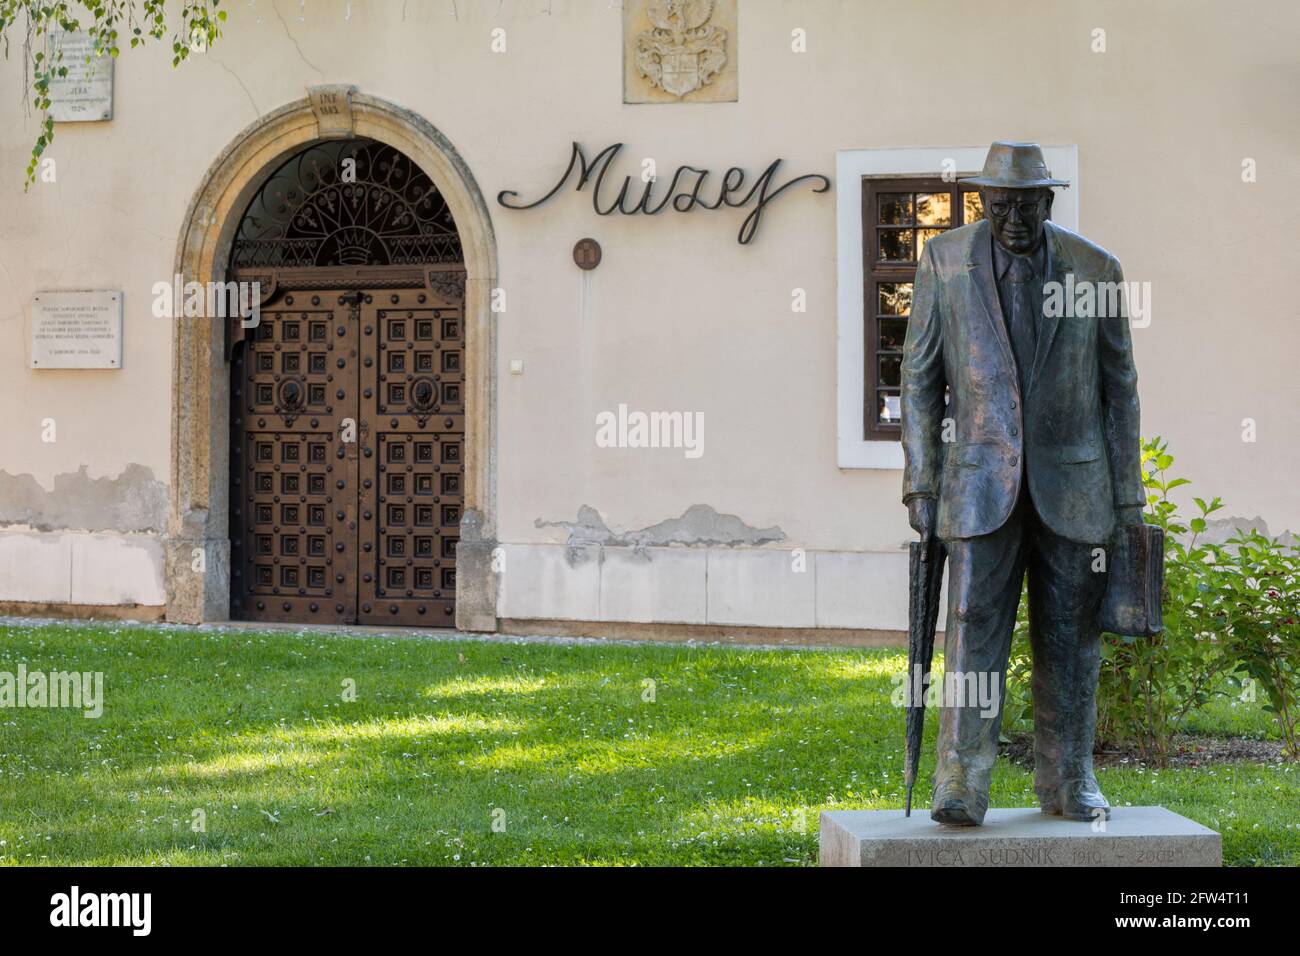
pixel 144 613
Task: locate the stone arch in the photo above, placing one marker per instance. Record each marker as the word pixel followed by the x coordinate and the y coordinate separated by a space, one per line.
pixel 198 522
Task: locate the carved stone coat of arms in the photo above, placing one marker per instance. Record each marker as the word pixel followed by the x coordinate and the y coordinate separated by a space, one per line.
pixel 682 51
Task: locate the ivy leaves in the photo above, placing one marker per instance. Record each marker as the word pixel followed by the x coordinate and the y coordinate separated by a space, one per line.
pixel 103 21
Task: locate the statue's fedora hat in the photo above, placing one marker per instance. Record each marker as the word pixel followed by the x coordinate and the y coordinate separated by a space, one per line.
pixel 1015 166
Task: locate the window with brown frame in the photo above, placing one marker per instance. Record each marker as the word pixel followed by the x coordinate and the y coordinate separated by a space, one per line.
pixel 899 215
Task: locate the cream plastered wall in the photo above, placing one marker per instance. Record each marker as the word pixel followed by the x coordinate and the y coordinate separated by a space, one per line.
pixel 679 316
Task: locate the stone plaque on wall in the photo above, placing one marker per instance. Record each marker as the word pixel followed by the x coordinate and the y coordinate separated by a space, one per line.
pixel 77 329
pixel 680 51
pixel 86 93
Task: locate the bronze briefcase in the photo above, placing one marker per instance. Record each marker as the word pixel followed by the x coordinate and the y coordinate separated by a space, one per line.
pixel 1131 606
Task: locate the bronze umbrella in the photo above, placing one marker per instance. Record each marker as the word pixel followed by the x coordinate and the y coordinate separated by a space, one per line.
pixel 925 579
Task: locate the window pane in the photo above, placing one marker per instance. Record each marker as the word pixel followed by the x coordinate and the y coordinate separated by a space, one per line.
pixel 892 333
pixel 973 207
pixel 895 209
pixel 895 245
pixel 934 209
pixel 895 298
pixel 888 407
pixel 891 370
pixel 905 213
pixel 923 236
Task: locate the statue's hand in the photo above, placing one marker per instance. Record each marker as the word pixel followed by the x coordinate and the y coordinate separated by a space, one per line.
pixel 920 515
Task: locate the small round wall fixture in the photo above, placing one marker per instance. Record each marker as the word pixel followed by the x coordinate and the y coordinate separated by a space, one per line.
pixel 586 253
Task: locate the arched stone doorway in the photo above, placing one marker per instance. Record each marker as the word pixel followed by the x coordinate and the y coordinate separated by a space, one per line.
pixel 347 404
pixel 198 541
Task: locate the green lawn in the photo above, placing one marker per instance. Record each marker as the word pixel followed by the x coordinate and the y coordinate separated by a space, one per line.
pixel 729 764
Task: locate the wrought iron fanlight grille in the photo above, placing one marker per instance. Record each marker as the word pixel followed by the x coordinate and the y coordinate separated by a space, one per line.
pixel 352 202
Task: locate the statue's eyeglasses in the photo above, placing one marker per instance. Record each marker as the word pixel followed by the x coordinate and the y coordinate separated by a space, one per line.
pixel 1002 208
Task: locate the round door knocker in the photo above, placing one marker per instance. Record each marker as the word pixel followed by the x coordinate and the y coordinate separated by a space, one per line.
pixel 424 394
pixel 292 397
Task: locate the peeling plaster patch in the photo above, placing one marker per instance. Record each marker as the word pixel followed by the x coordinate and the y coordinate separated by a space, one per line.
pixel 1220 530
pixel 133 501
pixel 699 525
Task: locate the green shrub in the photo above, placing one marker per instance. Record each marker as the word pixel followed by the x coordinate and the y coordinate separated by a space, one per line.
pixel 1232 625
pixel 1259 624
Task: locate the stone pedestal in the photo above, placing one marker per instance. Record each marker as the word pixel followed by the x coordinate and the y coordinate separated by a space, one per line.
pixel 1134 836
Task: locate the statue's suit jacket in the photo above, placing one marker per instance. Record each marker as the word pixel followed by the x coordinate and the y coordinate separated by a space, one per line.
pixel 1074 435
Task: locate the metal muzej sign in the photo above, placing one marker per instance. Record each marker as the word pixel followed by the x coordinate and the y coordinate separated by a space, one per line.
pixel 689 188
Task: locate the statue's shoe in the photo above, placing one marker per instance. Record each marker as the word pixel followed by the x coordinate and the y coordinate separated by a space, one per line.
pixel 1081 799
pixel 956 805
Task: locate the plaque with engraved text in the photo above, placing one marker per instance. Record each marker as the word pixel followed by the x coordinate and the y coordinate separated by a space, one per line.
pixel 86 93
pixel 77 329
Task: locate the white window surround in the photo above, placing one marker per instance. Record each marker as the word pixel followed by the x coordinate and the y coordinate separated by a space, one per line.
pixel 851 165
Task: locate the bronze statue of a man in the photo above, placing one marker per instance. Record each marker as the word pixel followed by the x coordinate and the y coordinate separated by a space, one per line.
pixel 1028 467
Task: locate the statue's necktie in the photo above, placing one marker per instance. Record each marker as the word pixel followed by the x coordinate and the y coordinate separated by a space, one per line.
pixel 1022 321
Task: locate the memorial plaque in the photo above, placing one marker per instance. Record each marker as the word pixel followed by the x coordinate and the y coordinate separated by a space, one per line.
pixel 77 329
pixel 86 93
